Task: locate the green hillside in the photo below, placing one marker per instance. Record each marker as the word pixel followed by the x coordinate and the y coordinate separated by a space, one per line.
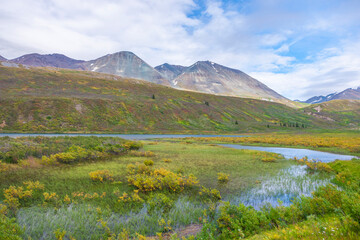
pixel 59 100
pixel 345 112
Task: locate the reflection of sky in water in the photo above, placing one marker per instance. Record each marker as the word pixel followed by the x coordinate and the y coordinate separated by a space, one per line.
pixel 287 185
pixel 294 152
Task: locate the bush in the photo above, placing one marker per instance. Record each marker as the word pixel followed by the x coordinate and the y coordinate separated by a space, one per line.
pixel 101 176
pixel 9 229
pixel 314 165
pixel 160 201
pixel 210 194
pixel 142 154
pixel 18 196
pixel 146 179
pixel 149 162
pixel 223 178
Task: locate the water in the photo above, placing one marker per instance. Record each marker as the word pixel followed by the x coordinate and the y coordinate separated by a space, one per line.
pixel 289 183
pixel 295 152
pixel 124 136
pixel 285 186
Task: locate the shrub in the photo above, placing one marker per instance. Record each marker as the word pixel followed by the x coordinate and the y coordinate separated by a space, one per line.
pixel 167 160
pixel 160 201
pixel 223 178
pixel 18 196
pixel 101 176
pixel 314 165
pixel 134 197
pixel 210 194
pixel 9 229
pixel 149 162
pixel 146 179
pixel 142 154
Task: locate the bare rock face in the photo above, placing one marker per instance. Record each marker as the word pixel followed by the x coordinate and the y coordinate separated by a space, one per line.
pixel 49 60
pixel 170 71
pixel 126 64
pixel 209 77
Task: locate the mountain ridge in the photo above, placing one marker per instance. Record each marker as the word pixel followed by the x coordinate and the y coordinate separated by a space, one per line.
pixel 349 93
pixel 49 60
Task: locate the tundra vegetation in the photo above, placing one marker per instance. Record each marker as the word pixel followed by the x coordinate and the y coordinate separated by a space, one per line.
pixel 63 100
pixel 110 188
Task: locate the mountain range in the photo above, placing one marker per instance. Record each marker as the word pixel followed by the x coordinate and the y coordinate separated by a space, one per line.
pixel 203 76
pixel 210 77
pixel 350 93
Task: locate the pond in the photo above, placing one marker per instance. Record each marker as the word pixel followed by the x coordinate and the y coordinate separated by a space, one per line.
pixel 296 152
pixel 289 183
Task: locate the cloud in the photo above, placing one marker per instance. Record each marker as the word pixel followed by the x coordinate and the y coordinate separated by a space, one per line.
pixel 333 70
pixel 271 40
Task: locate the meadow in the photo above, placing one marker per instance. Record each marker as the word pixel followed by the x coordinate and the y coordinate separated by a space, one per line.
pixel 337 142
pixel 109 188
pixel 59 100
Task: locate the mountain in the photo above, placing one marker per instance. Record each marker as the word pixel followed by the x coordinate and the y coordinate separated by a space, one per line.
pixel 59 100
pixel 48 60
pixel 126 64
pixel 349 93
pixel 170 71
pixel 2 58
pixel 209 77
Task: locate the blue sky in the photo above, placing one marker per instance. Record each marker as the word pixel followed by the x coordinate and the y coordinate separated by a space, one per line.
pixel 298 48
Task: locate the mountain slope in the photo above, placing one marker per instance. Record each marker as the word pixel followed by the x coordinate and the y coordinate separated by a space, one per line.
pixel 126 64
pixel 57 100
pixel 49 60
pixel 2 58
pixel 209 77
pixel 349 93
pixel 170 71
pixel 345 112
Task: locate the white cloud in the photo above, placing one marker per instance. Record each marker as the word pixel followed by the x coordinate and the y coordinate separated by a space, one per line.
pixel 334 70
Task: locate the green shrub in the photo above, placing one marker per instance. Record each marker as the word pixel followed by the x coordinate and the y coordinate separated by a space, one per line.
pixel 146 179
pixel 9 229
pixel 149 162
pixel 101 176
pixel 223 178
pixel 210 194
pixel 160 201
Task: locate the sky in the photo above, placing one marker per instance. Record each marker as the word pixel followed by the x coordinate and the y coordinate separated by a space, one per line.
pixel 299 48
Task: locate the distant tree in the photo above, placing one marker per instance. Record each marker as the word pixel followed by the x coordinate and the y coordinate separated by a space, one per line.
pixel 297 125
pixel 236 122
pixel 153 96
pixel 206 103
pixel 268 126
